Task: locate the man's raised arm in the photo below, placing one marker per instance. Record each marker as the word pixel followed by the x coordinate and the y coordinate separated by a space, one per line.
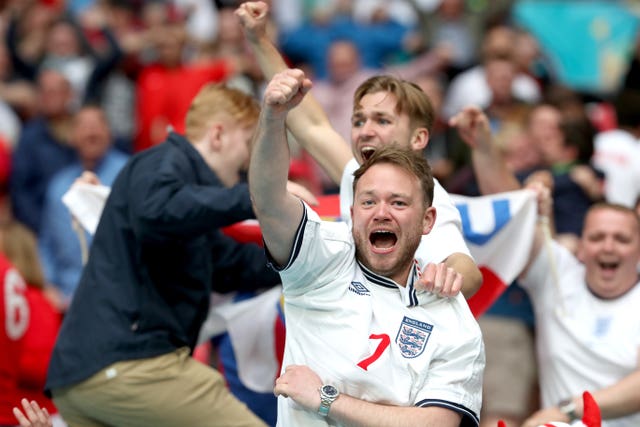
pixel 308 122
pixel 277 210
pixel 489 166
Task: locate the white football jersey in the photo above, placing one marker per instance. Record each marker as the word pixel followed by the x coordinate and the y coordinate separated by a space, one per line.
pixel 617 155
pixel 366 335
pixel 584 343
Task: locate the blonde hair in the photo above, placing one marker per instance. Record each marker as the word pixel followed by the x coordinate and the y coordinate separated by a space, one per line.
pixel 411 99
pixel 215 100
pixel 19 245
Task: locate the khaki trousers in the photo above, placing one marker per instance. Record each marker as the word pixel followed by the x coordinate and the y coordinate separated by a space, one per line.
pixel 171 390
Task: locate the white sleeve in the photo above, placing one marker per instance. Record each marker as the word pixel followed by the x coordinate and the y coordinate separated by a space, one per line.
pixel 446 236
pixel 322 251
pixel 456 382
pixel 346 190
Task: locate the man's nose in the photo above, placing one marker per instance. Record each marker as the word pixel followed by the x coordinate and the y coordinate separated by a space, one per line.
pixel 608 244
pixel 382 211
pixel 367 128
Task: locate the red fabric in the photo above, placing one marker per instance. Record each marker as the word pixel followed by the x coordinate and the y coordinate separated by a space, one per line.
pixel 5 163
pixel 163 96
pixel 14 315
pixel 329 207
pixel 304 171
pixel 592 416
pixel 55 4
pixel 202 353
pixel 38 342
pixel 279 333
pixel 492 287
pixel 249 231
pixel 603 116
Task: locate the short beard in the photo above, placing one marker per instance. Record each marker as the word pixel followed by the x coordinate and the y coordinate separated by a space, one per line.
pixel 405 261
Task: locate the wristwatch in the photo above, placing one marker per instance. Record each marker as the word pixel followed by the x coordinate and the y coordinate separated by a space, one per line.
pixel 328 394
pixel 568 407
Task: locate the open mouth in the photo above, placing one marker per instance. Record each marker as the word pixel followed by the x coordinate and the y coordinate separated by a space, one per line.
pixel 367 152
pixel 383 240
pixel 608 266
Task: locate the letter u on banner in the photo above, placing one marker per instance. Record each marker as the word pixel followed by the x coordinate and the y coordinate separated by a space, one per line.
pixel 480 234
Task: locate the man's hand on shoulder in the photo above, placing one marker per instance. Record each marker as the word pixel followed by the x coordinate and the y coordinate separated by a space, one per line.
pixel 440 279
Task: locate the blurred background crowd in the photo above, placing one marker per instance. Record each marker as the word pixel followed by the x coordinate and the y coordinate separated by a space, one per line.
pixel 84 84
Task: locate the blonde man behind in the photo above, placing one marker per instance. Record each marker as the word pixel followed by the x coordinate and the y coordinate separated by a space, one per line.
pixel 123 353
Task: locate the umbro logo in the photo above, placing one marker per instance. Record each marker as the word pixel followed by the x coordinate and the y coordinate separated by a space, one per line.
pixel 359 288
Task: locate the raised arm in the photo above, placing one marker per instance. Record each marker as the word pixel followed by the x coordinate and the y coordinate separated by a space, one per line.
pixel 307 122
pixel 277 210
pixel 545 225
pixel 490 169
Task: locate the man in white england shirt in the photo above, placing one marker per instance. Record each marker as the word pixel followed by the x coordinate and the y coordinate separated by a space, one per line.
pixel 386 110
pixel 360 348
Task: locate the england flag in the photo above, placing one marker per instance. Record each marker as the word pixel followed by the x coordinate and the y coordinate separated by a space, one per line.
pixel 498 230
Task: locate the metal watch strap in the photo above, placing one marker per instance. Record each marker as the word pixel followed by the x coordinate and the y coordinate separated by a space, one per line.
pixel 568 407
pixel 328 394
pixel 324 408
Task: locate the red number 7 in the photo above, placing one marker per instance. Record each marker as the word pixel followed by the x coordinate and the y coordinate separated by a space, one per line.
pixel 385 342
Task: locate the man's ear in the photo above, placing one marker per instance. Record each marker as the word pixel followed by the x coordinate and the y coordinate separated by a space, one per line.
pixel 419 139
pixel 214 136
pixel 429 220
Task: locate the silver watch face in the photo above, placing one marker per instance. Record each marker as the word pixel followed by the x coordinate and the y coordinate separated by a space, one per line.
pixel 329 391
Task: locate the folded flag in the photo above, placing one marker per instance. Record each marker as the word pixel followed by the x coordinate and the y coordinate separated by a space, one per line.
pixel 498 230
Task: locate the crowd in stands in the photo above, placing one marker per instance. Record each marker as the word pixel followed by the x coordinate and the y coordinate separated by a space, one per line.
pixel 87 84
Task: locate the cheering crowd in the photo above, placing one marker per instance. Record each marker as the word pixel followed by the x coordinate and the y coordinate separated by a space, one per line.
pixel 198 115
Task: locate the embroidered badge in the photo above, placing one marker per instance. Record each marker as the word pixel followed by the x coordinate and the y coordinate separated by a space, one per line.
pixel 412 337
pixel 359 288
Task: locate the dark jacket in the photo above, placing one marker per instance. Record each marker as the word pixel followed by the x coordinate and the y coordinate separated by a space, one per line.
pixel 157 254
pixel 37 157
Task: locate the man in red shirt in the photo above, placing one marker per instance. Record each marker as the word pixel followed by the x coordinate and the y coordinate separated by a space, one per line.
pixel 14 322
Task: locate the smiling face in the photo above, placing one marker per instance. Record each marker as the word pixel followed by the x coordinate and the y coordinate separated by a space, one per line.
pixel 375 122
pixel 389 218
pixel 610 250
